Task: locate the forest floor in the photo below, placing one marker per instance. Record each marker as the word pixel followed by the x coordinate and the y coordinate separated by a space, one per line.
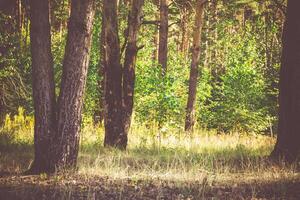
pixel 205 166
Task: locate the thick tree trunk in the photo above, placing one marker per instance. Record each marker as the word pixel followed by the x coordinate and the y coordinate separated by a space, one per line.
pixel 74 76
pixel 114 136
pixel 163 35
pixel 288 140
pixel 43 85
pixel 119 83
pixel 134 22
pixel 190 109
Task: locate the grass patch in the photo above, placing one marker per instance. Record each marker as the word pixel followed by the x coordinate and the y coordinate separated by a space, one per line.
pixel 156 165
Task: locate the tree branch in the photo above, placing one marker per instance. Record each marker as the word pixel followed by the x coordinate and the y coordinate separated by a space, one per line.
pixel 151 22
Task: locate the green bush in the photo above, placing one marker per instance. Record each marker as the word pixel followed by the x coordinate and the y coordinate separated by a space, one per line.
pixel 238 101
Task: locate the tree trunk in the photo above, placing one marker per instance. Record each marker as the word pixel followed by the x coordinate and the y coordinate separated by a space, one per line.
pixel 163 35
pixel 43 85
pixel 156 40
pixel 75 67
pixel 119 82
pixel 113 77
pixel 100 113
pixel 185 33
pixel 2 106
pixel 134 22
pixel 190 110
pixel 288 140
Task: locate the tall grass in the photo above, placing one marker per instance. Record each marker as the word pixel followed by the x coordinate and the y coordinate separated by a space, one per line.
pixel 169 154
pixel 152 154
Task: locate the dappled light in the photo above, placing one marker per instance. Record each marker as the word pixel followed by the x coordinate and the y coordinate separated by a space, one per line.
pixel 149 99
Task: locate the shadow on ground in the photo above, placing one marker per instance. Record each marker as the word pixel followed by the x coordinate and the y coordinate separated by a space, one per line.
pixel 80 187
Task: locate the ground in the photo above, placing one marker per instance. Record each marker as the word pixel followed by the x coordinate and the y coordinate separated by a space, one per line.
pixel 158 166
pixel 82 187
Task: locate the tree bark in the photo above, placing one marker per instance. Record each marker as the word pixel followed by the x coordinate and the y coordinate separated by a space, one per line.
pixel 75 67
pixel 43 85
pixel 119 82
pixel 163 35
pixel 113 77
pixel 134 23
pixel 190 109
pixel 156 39
pixel 100 113
pixel 185 32
pixel 288 139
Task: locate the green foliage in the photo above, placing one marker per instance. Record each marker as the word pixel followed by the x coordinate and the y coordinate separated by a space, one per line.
pixel 244 65
pixel 14 68
pixel 92 94
pixel 238 100
pixel 16 130
pixel 238 83
pixel 159 98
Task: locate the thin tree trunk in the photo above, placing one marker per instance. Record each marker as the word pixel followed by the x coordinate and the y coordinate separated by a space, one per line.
pixel 134 22
pixel 75 67
pixel 156 40
pixel 19 21
pixel 100 113
pixel 43 85
pixel 288 139
pixel 190 109
pixel 184 45
pixel 163 35
pixel 113 76
pixel 2 106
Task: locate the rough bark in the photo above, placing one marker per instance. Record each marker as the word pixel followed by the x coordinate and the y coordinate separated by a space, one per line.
pixel 190 109
pixel 134 23
pixel 119 82
pixel 43 85
pixel 113 77
pixel 288 139
pixel 75 67
pixel 163 35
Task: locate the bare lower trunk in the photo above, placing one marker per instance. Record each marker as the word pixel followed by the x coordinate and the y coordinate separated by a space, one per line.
pixel 113 77
pixel 75 67
pixel 190 109
pixel 288 140
pixel 43 85
pixel 119 82
pixel 134 22
pixel 163 35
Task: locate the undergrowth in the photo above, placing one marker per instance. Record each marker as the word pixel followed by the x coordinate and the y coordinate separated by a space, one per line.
pixel 157 163
pixel 167 153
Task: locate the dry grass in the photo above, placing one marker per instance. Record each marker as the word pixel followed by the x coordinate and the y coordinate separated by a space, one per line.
pixel 165 164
